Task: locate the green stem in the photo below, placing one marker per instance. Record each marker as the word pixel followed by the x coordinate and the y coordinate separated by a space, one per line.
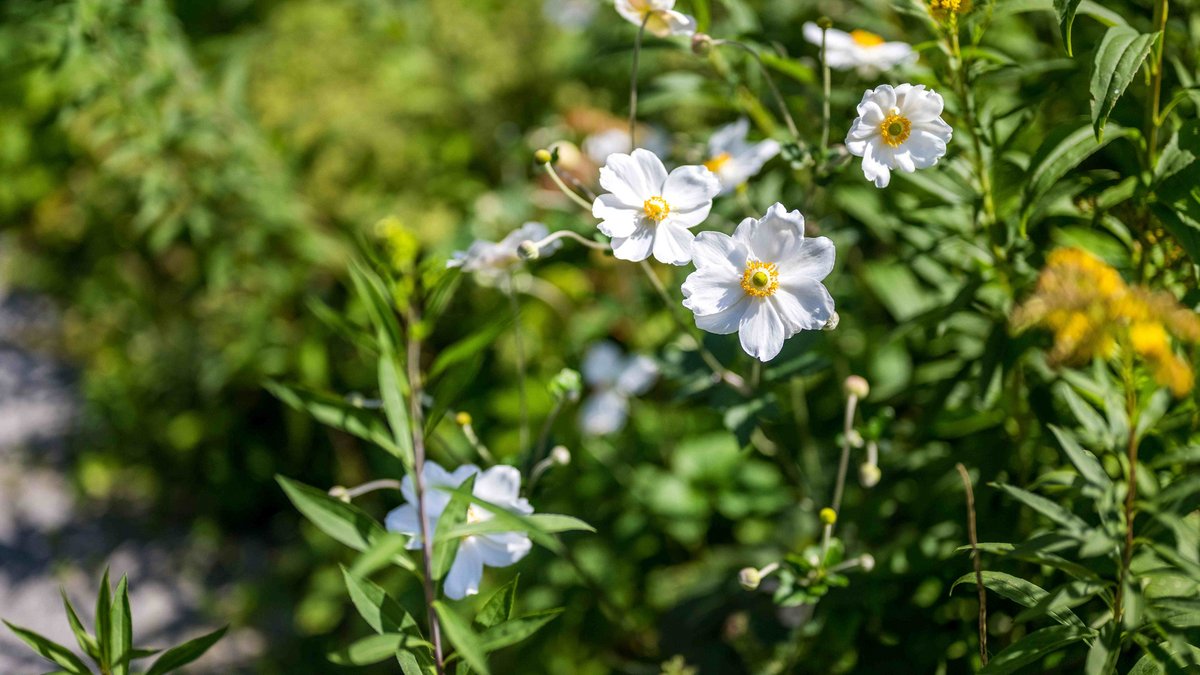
pixel 778 96
pixel 633 84
pixel 1153 118
pixel 550 171
pixel 519 345
pixel 826 88
pixel 1131 450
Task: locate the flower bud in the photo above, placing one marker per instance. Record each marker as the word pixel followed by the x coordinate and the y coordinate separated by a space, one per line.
pixel 857 386
pixel 867 562
pixel 340 493
pixel 462 419
pixel 560 455
pixel 828 516
pixel 854 438
pixel 869 474
pixel 833 322
pixel 701 44
pixel 749 578
pixel 825 23
pixel 542 156
pixel 528 250
pixel 566 385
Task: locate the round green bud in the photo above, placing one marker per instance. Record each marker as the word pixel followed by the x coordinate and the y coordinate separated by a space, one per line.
pixel 749 578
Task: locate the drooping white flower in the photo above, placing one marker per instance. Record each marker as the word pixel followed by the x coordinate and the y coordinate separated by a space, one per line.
pixel 659 15
pixel 898 128
pixel 614 379
pixel 646 211
pixel 763 283
pixel 491 261
pixel 733 159
pixel 499 485
pixel 865 52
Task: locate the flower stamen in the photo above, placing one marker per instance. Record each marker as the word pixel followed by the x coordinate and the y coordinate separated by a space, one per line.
pixel 895 128
pixel 656 209
pixel 717 162
pixel 761 279
pixel 865 38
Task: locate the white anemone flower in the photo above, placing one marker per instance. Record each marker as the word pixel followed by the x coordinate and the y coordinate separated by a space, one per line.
pixel 499 485
pixel 646 211
pixel 863 51
pixel 764 282
pixel 898 128
pixel 733 159
pixel 614 378
pixel 660 16
pixel 491 261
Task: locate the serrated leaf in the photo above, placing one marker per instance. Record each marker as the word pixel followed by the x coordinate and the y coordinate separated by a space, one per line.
pixel 515 630
pixel 121 640
pixel 177 657
pixel 1034 646
pixel 381 612
pixel 344 522
pixel 1062 151
pixel 1118 59
pixel 374 649
pixel 465 641
pixel 49 649
pixel 1065 9
pixel 1020 591
pixel 499 607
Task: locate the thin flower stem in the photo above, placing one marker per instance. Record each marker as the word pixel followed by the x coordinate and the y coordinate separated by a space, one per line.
pixel 968 102
pixel 360 490
pixel 974 539
pixel 826 88
pixel 779 101
pixel 544 436
pixel 1153 118
pixel 519 347
pixel 633 83
pixel 839 486
pixel 418 438
pixel 469 432
pixel 549 168
pixel 568 234
pixel 721 372
pixel 1131 450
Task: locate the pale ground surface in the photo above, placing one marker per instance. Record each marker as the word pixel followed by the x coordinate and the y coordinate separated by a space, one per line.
pixel 52 536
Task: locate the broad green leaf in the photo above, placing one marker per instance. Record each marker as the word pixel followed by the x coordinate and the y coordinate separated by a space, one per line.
pixel 1065 9
pixel 515 630
pixel 1085 462
pixel 177 657
pixel 1020 591
pixel 1045 507
pixel 50 649
pixel 1062 151
pixel 542 522
pixel 334 411
pixel 374 649
pixel 1034 646
pixel 381 612
pixel 104 621
pixel 121 640
pixel 344 522
pixel 455 514
pixel 86 642
pixel 499 607
pixel 465 641
pixel 1118 59
pixel 393 387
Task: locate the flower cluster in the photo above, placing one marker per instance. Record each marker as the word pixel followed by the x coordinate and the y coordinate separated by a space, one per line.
pixel 1094 313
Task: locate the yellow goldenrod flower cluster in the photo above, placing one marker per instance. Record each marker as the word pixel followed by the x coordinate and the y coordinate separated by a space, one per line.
pixel 1093 312
pixel 941 9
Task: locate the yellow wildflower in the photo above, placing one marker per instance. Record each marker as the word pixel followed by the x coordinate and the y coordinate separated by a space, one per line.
pixel 941 9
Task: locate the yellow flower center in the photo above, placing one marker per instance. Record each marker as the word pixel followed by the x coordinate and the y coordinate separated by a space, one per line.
pixel 717 162
pixel 895 128
pixel 866 38
pixel 761 279
pixel 474 515
pixel 656 208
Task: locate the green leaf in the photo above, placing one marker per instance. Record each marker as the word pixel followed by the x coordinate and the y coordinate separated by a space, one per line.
pixel 374 649
pixel 515 630
pixel 411 664
pixel 499 607
pixel 1020 591
pixel 1062 151
pixel 455 514
pixel 393 387
pixel 1045 507
pixel 1177 612
pixel 469 346
pixel 1086 463
pixel 121 640
pixel 1032 552
pixel 449 389
pixel 459 633
pixel 50 649
pixel 86 642
pixel 1118 59
pixel 1102 657
pixel 1061 599
pixel 1065 9
pixel 381 612
pixel 383 552
pixel 543 522
pixel 344 522
pixel 177 657
pixel 1034 646
pixel 104 621
pixel 334 411
pixel 512 522
pixel 374 295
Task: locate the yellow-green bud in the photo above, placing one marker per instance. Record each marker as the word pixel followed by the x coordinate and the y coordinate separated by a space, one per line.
pixel 462 419
pixel 560 455
pixel 542 156
pixel 701 44
pixel 825 23
pixel 340 493
pixel 869 474
pixel 867 562
pixel 528 250
pixel 828 516
pixel 856 385
pixel 749 578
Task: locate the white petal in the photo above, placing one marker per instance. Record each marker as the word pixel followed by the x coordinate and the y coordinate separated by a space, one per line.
pixel 633 178
pixel 629 11
pixel 803 304
pixel 603 413
pixel 762 330
pixel 637 376
pixel 873 165
pixel 602 363
pixel 813 260
pixel 925 149
pixel 728 137
pixel 678 23
pixel 921 105
pixel 672 243
pixel 502 549
pixel 883 96
pixel 745 165
pixel 403 520
pixel 727 320
pixel 690 188
pixel 465 572
pixel 709 290
pixel 499 485
pixel 653 172
pixel 617 218
pixel 776 236
pixel 636 246
pixel 717 249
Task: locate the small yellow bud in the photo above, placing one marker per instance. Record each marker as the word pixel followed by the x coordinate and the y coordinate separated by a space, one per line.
pixel 828 516
pixel 857 386
pixel 462 419
pixel 542 156
pixel 749 578
pixel 869 474
pixel 825 23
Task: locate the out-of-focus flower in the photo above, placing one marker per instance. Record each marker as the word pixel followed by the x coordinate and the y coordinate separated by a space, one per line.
pixel 898 128
pixel 944 9
pixel 600 145
pixel 614 379
pixel 865 52
pixel 764 282
pixel 499 485
pixel 646 211
pixel 491 261
pixel 733 159
pixel 660 16
pixel 570 14
pixel 1094 313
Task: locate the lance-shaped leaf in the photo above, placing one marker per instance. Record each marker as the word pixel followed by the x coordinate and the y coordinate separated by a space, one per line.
pixel 504 520
pixel 374 649
pixel 455 514
pixel 121 634
pixel 50 649
pixel 177 657
pixel 338 413
pixel 459 632
pixel 1118 59
pixel 1034 646
pixel 1046 507
pixel 381 612
pixel 1065 9
pixel 86 642
pixel 393 387
pixel 1020 591
pixel 499 607
pixel 515 630
pixel 1062 151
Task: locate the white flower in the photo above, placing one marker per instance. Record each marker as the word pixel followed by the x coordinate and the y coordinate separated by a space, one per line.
pixel 861 50
pixel 733 159
pixel 663 19
pixel 499 485
pixel 646 211
pixel 614 379
pixel 600 145
pixel 569 14
pixel 898 128
pixel 764 282
pixel 491 261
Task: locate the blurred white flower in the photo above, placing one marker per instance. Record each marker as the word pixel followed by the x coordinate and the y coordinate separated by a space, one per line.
pixel 499 485
pixel 600 145
pixel 733 159
pixel 614 379
pixel 764 282
pixel 646 211
pixel 660 16
pixel 865 52
pixel 898 128
pixel 570 14
pixel 491 261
